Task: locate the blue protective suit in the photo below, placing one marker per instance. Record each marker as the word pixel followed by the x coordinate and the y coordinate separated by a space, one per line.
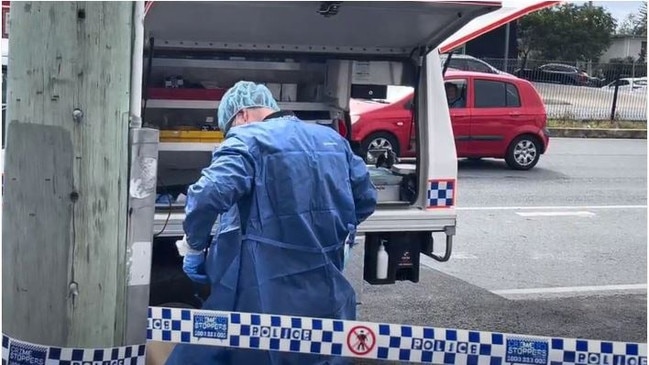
pixel 288 191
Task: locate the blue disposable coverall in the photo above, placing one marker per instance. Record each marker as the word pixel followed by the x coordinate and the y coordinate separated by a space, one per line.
pixel 288 192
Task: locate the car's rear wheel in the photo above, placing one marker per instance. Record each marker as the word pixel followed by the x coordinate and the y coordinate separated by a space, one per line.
pixel 523 153
pixel 380 141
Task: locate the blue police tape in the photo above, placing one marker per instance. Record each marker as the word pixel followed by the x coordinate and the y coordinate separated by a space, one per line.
pixel 381 341
pixel 338 338
pixel 15 352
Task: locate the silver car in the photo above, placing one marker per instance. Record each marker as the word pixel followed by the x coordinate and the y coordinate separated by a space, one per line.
pixel 469 63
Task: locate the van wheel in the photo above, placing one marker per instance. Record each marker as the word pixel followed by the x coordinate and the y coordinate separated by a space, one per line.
pixel 380 140
pixel 523 153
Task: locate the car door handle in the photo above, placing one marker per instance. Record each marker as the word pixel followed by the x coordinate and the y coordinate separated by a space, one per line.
pixel 515 114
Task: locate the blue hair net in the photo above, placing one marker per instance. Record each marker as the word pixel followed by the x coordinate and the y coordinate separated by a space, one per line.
pixel 243 95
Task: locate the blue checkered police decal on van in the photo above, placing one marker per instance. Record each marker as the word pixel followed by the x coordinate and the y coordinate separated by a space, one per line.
pixel 441 193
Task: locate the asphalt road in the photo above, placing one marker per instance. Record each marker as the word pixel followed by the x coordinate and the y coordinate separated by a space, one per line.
pixel 559 251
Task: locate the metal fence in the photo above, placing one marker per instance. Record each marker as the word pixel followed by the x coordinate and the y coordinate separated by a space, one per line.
pixel 589 96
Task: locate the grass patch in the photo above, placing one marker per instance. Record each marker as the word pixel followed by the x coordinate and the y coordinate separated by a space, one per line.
pixel 596 124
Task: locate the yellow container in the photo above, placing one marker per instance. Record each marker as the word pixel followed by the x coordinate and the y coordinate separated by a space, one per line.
pixel 191 136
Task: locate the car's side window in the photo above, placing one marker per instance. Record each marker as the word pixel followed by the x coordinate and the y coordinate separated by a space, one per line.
pixel 490 94
pixel 496 94
pixel 513 97
pixel 456 92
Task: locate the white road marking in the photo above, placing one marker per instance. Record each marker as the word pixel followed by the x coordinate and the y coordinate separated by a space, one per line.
pixel 564 207
pixel 570 291
pixel 580 213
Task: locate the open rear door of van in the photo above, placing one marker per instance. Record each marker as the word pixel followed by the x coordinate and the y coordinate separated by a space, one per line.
pixel 510 11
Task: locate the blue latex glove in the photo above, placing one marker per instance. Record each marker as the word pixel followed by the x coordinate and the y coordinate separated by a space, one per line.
pixel 194 267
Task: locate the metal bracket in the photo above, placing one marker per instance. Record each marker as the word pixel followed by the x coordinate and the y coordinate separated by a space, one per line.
pixel 450 232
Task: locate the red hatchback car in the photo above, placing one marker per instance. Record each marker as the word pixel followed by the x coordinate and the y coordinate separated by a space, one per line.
pixel 495 116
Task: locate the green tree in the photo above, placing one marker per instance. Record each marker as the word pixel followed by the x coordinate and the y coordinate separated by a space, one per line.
pixel 530 35
pixel 567 32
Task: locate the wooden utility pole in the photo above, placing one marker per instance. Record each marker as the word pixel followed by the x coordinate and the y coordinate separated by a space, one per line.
pixel 64 263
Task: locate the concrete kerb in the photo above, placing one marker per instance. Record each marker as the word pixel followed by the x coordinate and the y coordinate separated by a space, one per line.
pixel 598 133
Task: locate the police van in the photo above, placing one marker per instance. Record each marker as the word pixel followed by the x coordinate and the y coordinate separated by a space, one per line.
pixel 314 57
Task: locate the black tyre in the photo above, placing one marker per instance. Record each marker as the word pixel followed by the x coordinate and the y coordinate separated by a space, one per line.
pixel 523 153
pixel 380 140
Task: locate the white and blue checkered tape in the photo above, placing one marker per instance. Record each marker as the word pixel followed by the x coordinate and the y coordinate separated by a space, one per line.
pixel 381 341
pixel 15 352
